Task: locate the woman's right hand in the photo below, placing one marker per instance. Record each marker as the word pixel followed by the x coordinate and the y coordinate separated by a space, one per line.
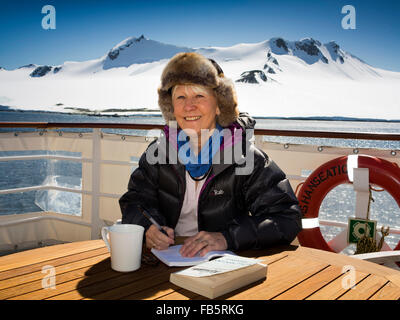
pixel 157 240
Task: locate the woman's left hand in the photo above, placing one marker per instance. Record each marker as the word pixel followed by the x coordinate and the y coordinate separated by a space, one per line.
pixel 202 243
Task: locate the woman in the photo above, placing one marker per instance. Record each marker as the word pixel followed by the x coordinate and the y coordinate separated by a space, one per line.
pixel 195 179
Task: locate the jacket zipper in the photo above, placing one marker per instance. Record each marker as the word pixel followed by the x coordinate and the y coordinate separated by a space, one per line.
pixel 182 194
pixel 206 183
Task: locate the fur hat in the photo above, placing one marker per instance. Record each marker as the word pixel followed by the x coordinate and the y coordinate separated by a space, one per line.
pixel 191 67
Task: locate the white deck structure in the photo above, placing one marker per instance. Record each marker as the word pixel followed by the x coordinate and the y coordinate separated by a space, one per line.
pixel 107 163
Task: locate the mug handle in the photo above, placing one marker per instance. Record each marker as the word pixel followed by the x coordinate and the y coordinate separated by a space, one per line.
pixel 104 235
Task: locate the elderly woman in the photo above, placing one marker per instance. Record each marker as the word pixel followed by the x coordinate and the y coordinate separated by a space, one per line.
pixel 190 179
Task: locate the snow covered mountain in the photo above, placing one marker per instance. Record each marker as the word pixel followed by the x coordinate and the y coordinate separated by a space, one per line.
pixel 275 77
pixel 139 50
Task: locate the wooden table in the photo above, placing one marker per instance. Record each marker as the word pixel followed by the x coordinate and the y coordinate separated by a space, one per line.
pixel 82 271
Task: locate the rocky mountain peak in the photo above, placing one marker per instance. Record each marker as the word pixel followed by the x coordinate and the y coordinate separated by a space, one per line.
pixel 281 44
pixel 40 71
pixel 307 49
pixel 253 76
pixel 333 45
pixel 114 53
pixel 309 45
pixel 31 65
pixel 139 50
pixel 335 51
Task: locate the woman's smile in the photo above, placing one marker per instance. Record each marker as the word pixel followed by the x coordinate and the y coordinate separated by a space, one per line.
pixel 192 118
pixel 195 108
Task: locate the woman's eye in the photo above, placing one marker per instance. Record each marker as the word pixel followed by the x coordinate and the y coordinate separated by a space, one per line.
pixel 199 96
pixel 180 97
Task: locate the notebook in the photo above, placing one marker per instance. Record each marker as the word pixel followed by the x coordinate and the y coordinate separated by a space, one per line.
pixel 171 256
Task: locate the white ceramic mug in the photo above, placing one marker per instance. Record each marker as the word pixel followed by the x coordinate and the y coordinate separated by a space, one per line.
pixel 124 241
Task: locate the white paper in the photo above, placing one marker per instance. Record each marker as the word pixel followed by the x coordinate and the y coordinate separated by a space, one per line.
pixel 172 256
pixel 224 264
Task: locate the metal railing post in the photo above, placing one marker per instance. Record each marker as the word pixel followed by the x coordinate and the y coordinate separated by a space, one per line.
pixel 96 222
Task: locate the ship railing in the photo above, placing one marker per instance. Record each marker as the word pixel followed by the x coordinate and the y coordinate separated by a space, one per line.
pixel 108 159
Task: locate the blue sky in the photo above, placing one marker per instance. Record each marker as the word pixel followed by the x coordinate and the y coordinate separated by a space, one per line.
pixel 87 29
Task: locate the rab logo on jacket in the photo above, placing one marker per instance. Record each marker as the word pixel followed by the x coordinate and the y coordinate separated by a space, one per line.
pixel 218 192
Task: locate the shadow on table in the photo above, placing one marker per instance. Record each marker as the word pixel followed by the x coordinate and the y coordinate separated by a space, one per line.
pixel 267 252
pixel 103 283
pixel 93 276
pixel 150 281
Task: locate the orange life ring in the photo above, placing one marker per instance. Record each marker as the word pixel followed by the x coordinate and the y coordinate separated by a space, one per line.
pixel 332 173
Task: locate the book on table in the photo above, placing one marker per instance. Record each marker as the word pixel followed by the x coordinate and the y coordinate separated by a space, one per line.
pixel 171 256
pixel 214 278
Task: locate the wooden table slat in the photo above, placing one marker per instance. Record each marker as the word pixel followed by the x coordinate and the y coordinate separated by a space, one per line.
pixel 344 260
pixel 152 293
pixel 53 262
pixel 90 286
pixel 180 295
pixel 389 291
pixel 311 285
pixel 29 257
pixel 280 279
pixel 124 290
pixel 83 271
pixel 365 289
pixel 335 289
pixel 66 281
pixel 38 275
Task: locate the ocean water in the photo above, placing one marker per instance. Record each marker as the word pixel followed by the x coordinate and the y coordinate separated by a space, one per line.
pixel 338 205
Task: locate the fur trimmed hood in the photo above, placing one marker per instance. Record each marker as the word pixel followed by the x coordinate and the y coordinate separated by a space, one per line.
pixel 191 67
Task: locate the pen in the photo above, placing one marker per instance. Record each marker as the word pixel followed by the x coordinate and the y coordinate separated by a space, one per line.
pixel 149 217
